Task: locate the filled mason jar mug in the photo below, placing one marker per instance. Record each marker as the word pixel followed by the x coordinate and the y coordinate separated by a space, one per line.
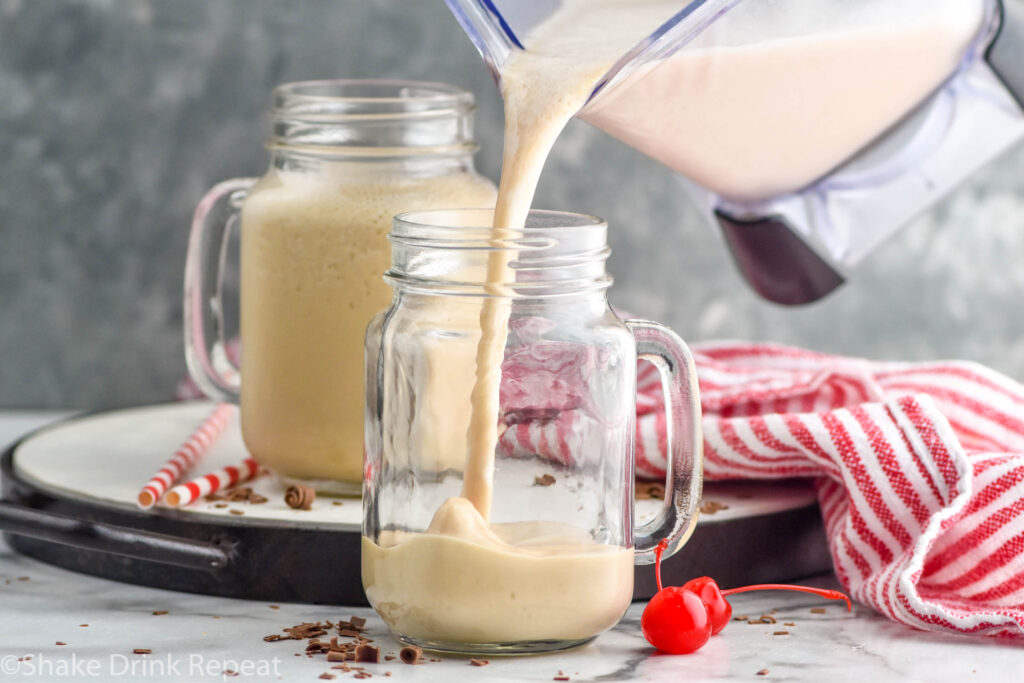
pixel 543 560
pixel 345 157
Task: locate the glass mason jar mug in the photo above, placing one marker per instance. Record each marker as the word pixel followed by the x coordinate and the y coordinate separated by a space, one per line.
pixel 346 156
pixel 546 561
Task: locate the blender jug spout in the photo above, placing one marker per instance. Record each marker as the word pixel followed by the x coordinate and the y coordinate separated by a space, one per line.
pixel 489 31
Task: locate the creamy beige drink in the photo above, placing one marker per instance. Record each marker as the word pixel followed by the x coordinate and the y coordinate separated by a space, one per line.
pixel 314 248
pixel 774 96
pixel 467 582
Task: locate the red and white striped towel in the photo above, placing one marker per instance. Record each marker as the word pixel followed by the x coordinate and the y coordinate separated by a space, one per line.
pixel 919 469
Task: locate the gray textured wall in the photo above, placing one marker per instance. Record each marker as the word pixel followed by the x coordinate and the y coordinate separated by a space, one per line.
pixel 116 115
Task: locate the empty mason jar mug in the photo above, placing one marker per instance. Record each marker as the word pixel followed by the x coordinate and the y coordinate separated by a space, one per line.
pixel 346 156
pixel 547 561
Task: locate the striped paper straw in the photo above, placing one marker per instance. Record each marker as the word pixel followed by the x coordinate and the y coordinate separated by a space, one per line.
pixel 210 483
pixel 186 455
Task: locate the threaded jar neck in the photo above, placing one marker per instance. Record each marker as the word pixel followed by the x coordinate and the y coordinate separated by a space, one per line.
pixel 372 119
pixel 447 251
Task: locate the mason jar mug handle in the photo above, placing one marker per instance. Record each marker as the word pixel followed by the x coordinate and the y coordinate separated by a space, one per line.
pixel 685 442
pixel 205 347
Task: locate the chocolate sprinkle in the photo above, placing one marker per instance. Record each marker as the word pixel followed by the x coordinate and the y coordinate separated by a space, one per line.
pixel 367 653
pixel 237 495
pixel 649 490
pixel 299 497
pixel 710 507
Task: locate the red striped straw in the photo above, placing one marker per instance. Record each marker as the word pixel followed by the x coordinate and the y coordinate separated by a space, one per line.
pixel 187 454
pixel 210 483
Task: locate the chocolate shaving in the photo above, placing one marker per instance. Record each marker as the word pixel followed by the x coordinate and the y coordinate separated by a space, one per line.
pixel 299 497
pixel 60 642
pixel 327 676
pixel 479 662
pixel 142 651
pixel 410 654
pixel 333 656
pixel 23 578
pixel 767 619
pixel 160 613
pixel 817 610
pixel 237 495
pixel 231 673
pixel 236 512
pixel 789 623
pixel 649 490
pixel 545 480
pixel 336 502
pixel 367 653
pixel 762 672
pixel 710 507
pixel 358 623
pixel 780 633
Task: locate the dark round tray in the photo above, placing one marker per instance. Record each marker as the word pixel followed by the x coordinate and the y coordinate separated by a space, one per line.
pixel 284 561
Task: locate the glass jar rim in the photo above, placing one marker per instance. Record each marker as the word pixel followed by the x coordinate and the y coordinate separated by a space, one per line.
pixel 448 250
pixel 350 99
pixel 472 228
pixel 372 119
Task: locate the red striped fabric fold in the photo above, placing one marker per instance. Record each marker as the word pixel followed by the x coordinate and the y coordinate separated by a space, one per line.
pixel 919 469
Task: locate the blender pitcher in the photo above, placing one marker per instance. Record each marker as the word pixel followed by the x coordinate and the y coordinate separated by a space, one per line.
pixel 809 131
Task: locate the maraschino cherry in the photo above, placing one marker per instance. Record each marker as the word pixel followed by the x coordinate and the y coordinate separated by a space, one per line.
pixel 681 619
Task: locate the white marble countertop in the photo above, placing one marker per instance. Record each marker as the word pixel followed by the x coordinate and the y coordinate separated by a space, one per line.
pixel 200 637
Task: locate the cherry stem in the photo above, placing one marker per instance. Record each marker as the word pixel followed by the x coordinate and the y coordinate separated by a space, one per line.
pixel 821 592
pixel 658 551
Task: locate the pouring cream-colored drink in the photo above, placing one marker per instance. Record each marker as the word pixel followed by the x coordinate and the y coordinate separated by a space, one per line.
pixel 518 581
pixel 464 580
